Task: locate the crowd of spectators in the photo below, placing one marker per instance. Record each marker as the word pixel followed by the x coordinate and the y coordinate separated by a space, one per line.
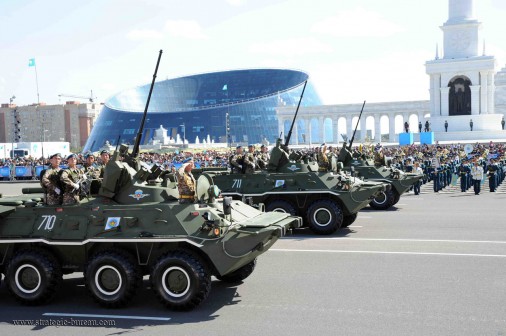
pixel 220 158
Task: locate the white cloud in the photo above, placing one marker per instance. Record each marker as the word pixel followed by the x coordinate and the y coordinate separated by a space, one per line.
pixel 144 34
pixel 356 23
pixel 292 46
pixel 184 28
pixel 236 2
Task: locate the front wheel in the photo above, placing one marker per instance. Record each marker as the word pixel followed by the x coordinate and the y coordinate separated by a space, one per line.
pixel 33 276
pixel 239 274
pixel 324 217
pixel 180 281
pixel 383 201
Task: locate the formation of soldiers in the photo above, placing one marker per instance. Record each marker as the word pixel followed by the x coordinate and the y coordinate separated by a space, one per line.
pixel 62 186
pixel 250 161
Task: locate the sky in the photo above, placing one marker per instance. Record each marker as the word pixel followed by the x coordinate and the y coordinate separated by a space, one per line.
pixel 352 50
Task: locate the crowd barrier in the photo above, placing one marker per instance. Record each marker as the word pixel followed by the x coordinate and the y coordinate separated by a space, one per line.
pixel 33 172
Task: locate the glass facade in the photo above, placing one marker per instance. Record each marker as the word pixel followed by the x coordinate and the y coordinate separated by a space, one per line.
pixel 201 103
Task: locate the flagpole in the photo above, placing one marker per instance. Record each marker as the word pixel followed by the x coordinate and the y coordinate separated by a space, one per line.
pixel 37 83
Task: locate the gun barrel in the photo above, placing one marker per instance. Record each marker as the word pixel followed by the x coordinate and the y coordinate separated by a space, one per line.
pixel 356 126
pixel 295 116
pixel 135 150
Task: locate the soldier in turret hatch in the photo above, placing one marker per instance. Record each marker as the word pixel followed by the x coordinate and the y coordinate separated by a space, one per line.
pixel 250 160
pixel 323 160
pixel 263 157
pixel 186 182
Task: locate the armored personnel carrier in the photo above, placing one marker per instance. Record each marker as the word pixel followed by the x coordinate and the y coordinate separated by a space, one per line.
pixel 133 227
pixel 326 200
pixel 368 170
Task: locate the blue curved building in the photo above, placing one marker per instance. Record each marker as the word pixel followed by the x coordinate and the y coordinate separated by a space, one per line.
pixel 201 103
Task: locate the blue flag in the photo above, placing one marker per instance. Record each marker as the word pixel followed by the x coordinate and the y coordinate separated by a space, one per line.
pixel 31 62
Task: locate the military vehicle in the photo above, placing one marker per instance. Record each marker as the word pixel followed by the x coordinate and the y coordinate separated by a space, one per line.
pixel 133 227
pixel 292 184
pixel 369 170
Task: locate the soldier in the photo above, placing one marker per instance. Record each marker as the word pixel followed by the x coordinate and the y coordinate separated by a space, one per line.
pixel 427 126
pixel 446 126
pixel 104 156
pixel 263 157
pixel 237 160
pixel 89 166
pixel 477 175
pixel 250 160
pixel 70 179
pixel 502 123
pixel 419 127
pixel 471 124
pixel 417 170
pixel 323 160
pixel 186 182
pixel 463 171
pixel 492 180
pixel 50 181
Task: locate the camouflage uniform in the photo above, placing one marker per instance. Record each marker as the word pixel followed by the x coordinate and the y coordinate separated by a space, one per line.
pixel 323 160
pixel 237 162
pixel 50 182
pixel 69 177
pixel 249 163
pixel 186 186
pixel 92 171
pixel 263 160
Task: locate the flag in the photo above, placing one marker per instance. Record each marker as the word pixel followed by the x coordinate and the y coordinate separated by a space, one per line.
pixel 31 62
pixel 224 87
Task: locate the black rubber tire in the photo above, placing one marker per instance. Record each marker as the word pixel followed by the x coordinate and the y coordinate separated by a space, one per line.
pixel 397 197
pixel 384 201
pixel 348 220
pixel 324 210
pixel 187 273
pixel 122 272
pixel 280 205
pixel 240 274
pixel 33 276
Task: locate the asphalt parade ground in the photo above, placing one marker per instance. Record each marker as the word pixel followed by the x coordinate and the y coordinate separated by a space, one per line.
pixel 434 264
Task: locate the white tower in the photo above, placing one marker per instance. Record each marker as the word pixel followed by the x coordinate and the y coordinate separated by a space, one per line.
pixel 462 81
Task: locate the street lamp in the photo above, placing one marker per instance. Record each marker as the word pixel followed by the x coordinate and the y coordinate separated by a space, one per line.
pixel 184 134
pixel 11 99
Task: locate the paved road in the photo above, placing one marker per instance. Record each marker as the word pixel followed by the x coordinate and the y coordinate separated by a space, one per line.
pixel 432 265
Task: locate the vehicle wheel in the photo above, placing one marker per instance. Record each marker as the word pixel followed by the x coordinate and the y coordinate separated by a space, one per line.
pixel 324 217
pixel 383 201
pixel 348 220
pixel 281 206
pixel 33 276
pixel 397 197
pixel 180 281
pixel 239 274
pixel 112 278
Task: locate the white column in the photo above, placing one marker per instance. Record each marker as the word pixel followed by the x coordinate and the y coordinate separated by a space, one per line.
pixel 335 132
pixel 349 127
pixel 295 136
pixel 281 127
pixel 445 108
pixel 484 92
pixel 363 129
pixel 391 127
pixel 321 123
pixel 475 99
pixel 491 90
pixel 435 95
pixel 377 128
pixel 308 130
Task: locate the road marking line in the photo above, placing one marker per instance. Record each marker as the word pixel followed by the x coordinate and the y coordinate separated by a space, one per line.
pixel 126 317
pixel 409 240
pixel 353 226
pixel 391 252
pixel 400 204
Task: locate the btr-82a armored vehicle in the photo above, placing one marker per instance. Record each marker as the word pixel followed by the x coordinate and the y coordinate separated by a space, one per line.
pixel 133 227
pixel 326 200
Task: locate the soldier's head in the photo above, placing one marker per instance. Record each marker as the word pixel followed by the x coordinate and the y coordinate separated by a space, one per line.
pixel 55 160
pixel 90 159
pixel 104 155
pixel 263 148
pixel 72 160
pixel 251 148
pixel 188 165
pixel 238 150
